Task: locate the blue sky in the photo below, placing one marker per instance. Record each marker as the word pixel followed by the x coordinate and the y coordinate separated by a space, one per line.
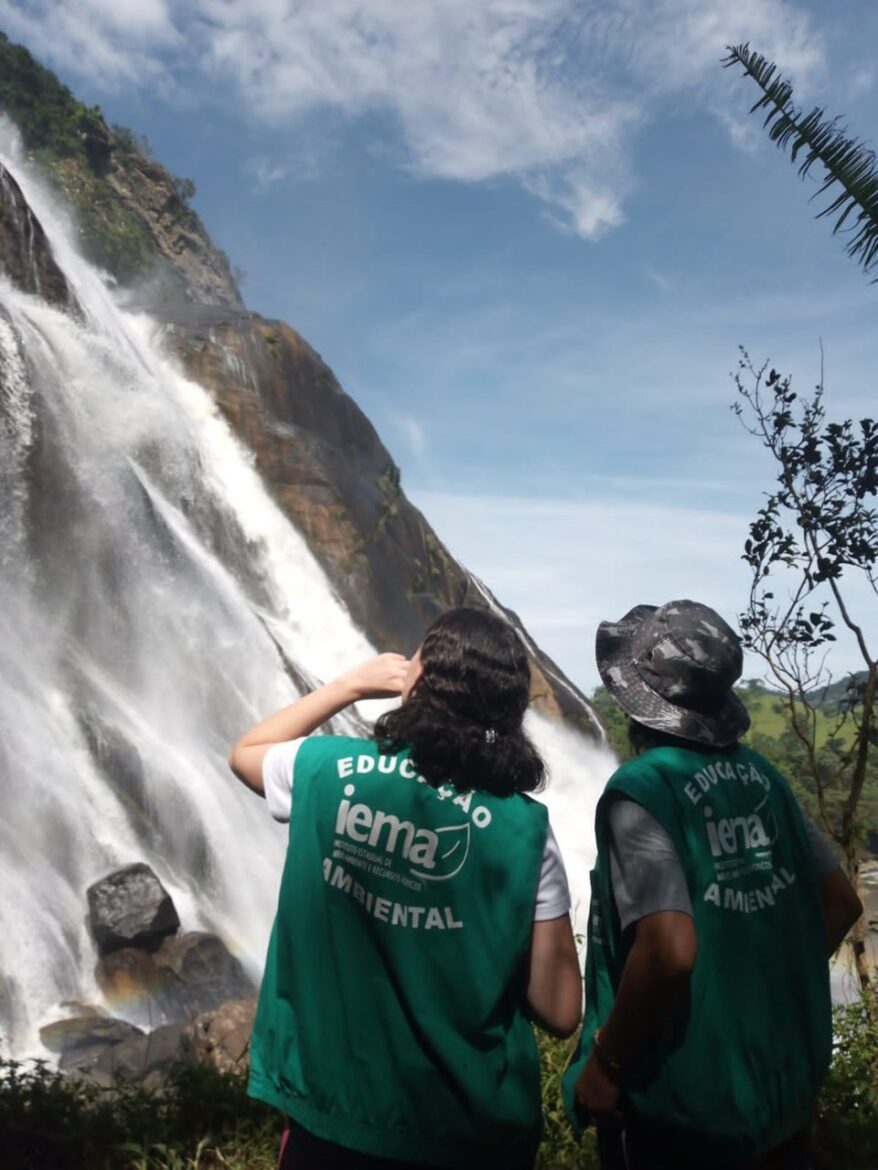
pixel 528 236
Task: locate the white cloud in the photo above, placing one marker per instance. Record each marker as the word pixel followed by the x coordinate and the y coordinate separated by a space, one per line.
pixel 681 39
pixel 112 42
pixel 548 93
pixel 588 208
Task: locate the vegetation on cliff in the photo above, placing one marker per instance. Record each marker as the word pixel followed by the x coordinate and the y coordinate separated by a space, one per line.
pixel 131 213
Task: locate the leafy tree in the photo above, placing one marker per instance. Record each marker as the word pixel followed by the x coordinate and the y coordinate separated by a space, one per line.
pixel 128 141
pixel 850 167
pixel 847 1111
pixel 816 534
pixel 820 525
pixel 185 188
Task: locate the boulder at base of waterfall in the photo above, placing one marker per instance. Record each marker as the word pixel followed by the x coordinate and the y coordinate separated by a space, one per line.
pixel 220 1039
pixel 145 1060
pixel 82 1040
pixel 130 907
pixel 198 974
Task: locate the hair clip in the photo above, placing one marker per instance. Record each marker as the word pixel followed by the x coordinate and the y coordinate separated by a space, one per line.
pixel 490 735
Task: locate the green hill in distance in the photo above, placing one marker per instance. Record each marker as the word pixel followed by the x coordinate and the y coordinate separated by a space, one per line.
pixel 771 733
pixel 770 715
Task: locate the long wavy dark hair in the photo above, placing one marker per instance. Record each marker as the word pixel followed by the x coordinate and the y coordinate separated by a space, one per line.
pixel 463 718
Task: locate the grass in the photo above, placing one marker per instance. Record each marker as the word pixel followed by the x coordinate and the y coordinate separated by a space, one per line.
pixel 560 1149
pixel 200 1120
pixel 770 718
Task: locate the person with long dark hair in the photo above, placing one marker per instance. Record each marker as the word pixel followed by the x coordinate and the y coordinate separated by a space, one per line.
pixel 423 917
pixel 715 906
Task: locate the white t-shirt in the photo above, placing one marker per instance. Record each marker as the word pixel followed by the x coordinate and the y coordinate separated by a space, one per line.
pixel 278 770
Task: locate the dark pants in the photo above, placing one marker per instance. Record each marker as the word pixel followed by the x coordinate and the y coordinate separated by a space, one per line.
pixel 301 1150
pixel 645 1145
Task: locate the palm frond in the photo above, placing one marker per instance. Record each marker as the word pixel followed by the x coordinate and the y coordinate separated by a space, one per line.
pixel 849 164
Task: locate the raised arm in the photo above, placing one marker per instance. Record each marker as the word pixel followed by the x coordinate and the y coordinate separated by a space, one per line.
pixel 554 991
pixel 378 678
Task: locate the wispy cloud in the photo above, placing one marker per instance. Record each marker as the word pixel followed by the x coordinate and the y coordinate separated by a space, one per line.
pixel 122 43
pixel 565 565
pixel 745 133
pixel 414 434
pixel 661 282
pixel 547 93
pixel 861 81
pixel 268 173
pixel 302 166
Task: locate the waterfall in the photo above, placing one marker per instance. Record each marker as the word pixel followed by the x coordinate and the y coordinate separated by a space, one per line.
pixel 152 599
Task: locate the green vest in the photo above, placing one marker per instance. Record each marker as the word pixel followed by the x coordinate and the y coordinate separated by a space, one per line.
pixel 743 1060
pixel 391 1015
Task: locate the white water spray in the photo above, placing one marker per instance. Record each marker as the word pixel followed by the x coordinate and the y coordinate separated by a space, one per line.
pixel 150 590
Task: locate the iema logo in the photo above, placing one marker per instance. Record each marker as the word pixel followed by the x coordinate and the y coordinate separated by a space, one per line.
pixel 732 835
pixel 433 854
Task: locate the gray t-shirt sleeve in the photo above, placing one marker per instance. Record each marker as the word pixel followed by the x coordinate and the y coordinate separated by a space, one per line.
pixel 645 868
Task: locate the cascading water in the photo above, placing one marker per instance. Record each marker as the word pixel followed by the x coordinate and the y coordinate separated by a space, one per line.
pixel 154 602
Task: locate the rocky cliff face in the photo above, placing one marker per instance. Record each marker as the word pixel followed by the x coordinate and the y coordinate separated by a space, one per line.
pixel 25 255
pixel 134 218
pixel 319 454
pixel 136 222
pixel 335 479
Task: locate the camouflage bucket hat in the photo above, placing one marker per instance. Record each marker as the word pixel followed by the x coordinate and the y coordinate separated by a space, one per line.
pixel 673 668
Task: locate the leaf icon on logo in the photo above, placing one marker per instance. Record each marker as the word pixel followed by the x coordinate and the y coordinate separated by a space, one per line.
pixel 450 855
pixel 768 819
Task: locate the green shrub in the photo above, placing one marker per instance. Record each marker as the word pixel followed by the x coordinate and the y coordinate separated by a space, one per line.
pixel 199 1118
pixel 128 141
pixel 847 1114
pixel 47 114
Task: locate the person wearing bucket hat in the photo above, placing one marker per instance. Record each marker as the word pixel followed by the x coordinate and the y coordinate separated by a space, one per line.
pixel 715 904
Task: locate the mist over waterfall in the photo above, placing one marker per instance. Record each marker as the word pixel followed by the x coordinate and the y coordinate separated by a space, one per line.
pixel 154 602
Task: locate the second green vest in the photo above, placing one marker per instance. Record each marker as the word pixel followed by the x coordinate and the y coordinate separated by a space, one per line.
pixel 743 1060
